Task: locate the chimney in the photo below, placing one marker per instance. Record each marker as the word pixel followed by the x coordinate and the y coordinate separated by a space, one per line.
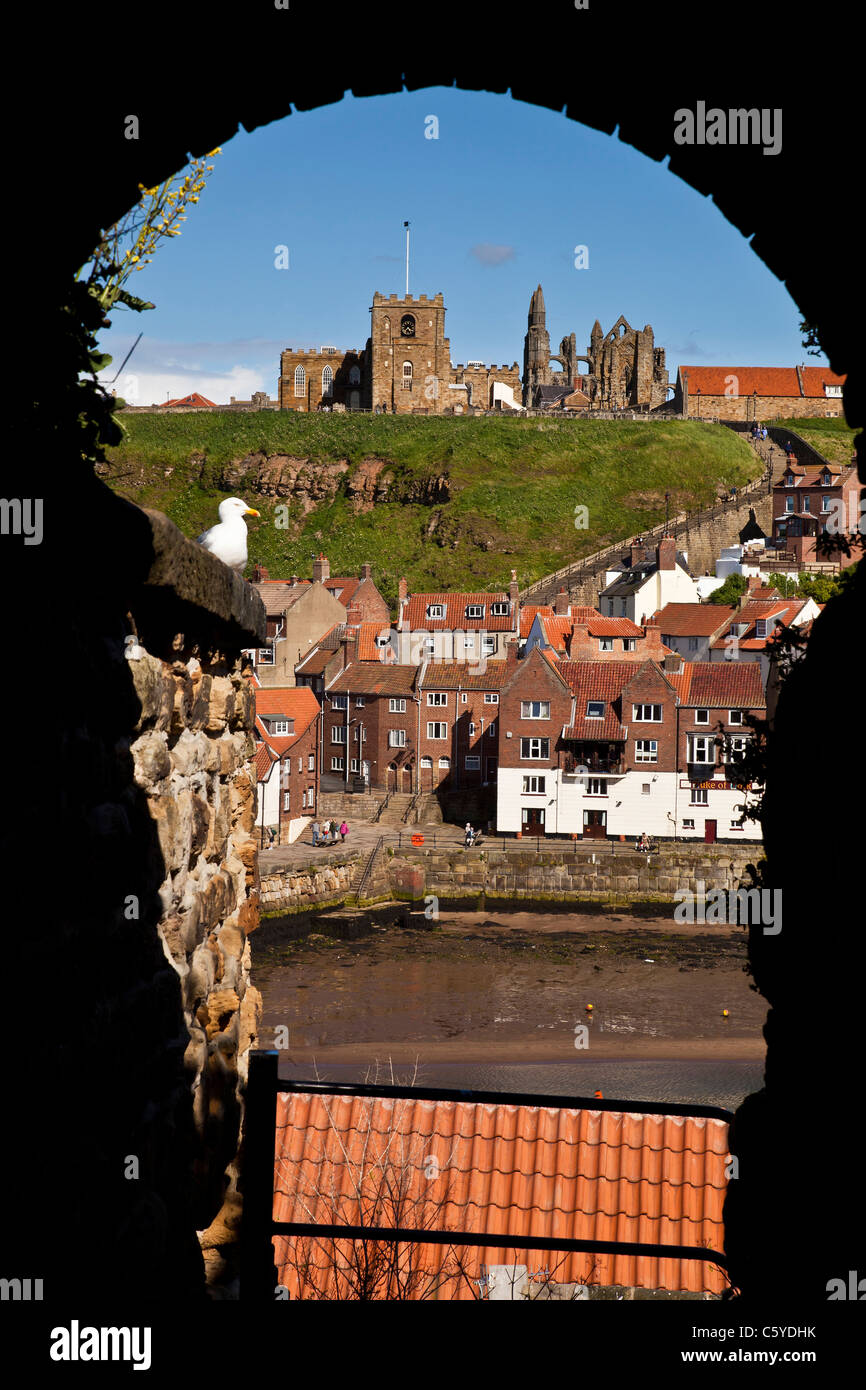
pixel 402 595
pixel 354 615
pixel 666 553
pixel 259 573
pixel 673 664
pixel 514 596
pixel 510 654
pixel 561 604
pixel 637 551
pixel 580 648
pixel 652 639
pixel 321 568
pixel 366 571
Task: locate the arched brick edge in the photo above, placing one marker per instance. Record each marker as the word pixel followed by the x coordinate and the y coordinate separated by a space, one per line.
pixel 789 1215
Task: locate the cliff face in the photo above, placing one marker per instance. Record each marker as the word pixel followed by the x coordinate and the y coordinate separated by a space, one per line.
pixel 313 484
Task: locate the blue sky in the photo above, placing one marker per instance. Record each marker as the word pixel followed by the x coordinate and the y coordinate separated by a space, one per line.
pixel 497 203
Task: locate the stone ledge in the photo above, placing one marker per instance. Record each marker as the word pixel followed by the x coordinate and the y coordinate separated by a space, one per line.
pixel 185 597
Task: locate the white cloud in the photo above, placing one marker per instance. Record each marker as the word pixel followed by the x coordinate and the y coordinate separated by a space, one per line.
pixel 153 387
pixel 489 254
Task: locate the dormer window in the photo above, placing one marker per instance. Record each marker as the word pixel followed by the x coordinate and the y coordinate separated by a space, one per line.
pixel 475 610
pixel 789 480
pixel 435 610
pixel 825 479
pixel 281 726
pixel 500 610
pixel 761 627
pixel 595 709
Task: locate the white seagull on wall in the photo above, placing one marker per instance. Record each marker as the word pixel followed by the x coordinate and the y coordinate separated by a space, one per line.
pixel 228 540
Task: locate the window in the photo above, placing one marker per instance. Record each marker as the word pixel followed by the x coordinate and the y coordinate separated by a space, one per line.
pixel 396 706
pixel 463 699
pixel 622 607
pixel 535 748
pixel 702 716
pixel 303 801
pixel 825 479
pixel 534 709
pixel 469 642
pixel 735 716
pixel 287 797
pixel 396 738
pixel 280 726
pixel 610 607
pixel 338 764
pixel 354 376
pixel 437 697
pixel 471 729
pixel 435 610
pixel 491 699
pixel 500 610
pixel 475 610
pixel 473 764
pixel 645 789
pixel 701 749
pixel 734 825
pixel 437 730
pixel 359 702
pixel 700 796
pixel 806 504
pixel 737 748
pixel 688 825
pixel 266 656
pixel 339 702
pixel 426 763
pixel 628 644
pixel 595 709
pixel 300 382
pixel 338 733
pixel 596 786
pixel 605 644
pixel 646 750
pixel 328 381
pixel 693 644
pixel 360 733
pixel 300 764
pixel 444 762
pixel 430 644
pixel 647 714
pixel 311 763
pixel 488 645
pixel 353 766
pixel 534 786
pixel 789 504
pixel 407 376
pixel 789 480
pixel 761 625
pixel 491 729
pixel 826 504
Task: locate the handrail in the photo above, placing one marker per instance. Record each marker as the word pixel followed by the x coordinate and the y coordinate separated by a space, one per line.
pixel 368 868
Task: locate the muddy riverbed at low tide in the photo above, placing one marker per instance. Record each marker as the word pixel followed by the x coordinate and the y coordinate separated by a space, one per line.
pixel 508 989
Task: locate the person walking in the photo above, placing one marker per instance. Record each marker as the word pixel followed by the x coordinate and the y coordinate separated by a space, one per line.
pixel 344 830
pixel 317 831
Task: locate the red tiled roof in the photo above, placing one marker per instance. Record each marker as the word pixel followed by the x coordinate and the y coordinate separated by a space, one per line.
pixel 527 615
pixel 719 685
pixel 194 398
pixel 298 703
pixel 367 650
pixel 767 381
pixel 782 610
pixel 692 619
pixel 347 587
pixel 265 756
pixel 579 1173
pixel 449 675
pixel 455 605
pixel 374 678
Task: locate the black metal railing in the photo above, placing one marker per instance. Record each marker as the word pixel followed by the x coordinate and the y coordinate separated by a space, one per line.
pixel 258 1270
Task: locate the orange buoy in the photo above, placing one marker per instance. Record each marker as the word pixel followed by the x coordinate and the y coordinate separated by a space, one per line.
pixel 599 1096
pixel 724 1013
pixel 589 1008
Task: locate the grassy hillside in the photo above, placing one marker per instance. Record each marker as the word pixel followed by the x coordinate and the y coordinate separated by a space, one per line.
pixel 512 487
pixel 833 439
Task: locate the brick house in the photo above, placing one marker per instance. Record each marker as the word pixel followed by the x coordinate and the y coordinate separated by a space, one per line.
pixel 462 627
pixel 757 393
pixel 583 634
pixel 371 714
pixel 287 760
pixel 459 746
pixel 748 636
pixel 605 749
pixel 809 501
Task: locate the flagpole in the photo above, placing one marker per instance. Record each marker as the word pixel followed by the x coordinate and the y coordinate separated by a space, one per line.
pixel 406 225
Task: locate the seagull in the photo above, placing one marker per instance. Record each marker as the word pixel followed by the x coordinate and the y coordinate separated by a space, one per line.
pixel 228 540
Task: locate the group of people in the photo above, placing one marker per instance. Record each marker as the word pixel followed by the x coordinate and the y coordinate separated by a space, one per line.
pixel 327 832
pixel 645 845
pixel 759 431
pixel 470 836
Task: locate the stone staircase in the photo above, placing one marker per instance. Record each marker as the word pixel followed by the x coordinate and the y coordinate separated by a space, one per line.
pixel 396 809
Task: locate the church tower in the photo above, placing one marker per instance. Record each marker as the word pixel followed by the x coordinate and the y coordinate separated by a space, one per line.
pixel 536 349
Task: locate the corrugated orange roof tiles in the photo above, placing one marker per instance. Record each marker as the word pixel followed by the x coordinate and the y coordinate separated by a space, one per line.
pixel 503 1169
